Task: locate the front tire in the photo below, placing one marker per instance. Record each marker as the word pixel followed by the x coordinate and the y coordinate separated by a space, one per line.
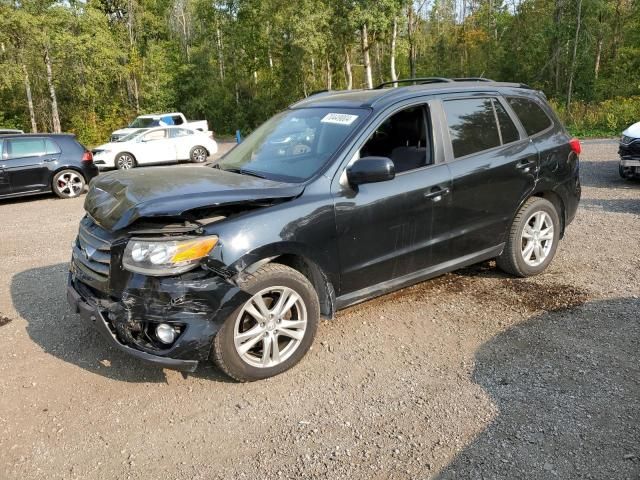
pixel 125 161
pixel 532 240
pixel 68 183
pixel 271 331
pixel 198 154
pixel 625 172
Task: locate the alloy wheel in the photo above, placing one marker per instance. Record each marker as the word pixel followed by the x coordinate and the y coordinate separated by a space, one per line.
pixel 125 162
pixel 270 327
pixel 537 238
pixel 199 155
pixel 69 184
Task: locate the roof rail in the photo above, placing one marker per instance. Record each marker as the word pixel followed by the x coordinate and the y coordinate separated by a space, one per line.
pixel 471 79
pixel 416 81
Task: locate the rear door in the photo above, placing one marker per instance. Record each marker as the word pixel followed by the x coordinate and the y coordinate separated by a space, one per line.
pixel 182 140
pixel 493 166
pixel 5 186
pixel 27 163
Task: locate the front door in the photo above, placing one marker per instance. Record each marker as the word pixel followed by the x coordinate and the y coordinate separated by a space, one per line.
pixel 26 163
pixel 387 230
pixel 157 147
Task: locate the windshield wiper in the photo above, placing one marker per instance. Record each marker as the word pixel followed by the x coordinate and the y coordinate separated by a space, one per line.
pixel 242 171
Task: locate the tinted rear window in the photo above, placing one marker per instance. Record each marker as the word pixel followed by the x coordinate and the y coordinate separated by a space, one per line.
pixel 472 125
pixel 531 115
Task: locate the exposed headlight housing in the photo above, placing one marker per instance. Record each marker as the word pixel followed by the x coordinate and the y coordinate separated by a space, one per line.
pixel 166 257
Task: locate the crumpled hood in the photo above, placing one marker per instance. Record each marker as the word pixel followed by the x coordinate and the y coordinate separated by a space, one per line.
pixel 633 131
pixel 117 199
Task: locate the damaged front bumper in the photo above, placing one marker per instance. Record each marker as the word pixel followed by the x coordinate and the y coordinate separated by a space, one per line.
pixel 196 305
pixel 629 151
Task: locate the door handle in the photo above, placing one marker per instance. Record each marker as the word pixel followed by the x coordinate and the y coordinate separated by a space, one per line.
pixel 436 194
pixel 49 159
pixel 526 166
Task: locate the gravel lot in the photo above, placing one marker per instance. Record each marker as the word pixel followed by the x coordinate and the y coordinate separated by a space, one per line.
pixel 471 375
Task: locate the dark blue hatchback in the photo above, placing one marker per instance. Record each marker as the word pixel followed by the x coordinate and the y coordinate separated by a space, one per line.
pixel 41 163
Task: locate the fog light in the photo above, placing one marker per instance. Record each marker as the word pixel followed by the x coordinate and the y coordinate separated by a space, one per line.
pixel 165 333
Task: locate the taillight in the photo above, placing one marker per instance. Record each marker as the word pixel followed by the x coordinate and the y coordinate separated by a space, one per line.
pixel 87 156
pixel 574 143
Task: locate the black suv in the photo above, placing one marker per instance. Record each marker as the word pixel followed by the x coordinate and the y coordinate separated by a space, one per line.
pixel 44 163
pixel 342 197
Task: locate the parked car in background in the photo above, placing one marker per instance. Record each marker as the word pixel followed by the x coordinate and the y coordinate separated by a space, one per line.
pixel 155 146
pixel 629 151
pixel 343 197
pixel 160 120
pixel 10 131
pixel 44 162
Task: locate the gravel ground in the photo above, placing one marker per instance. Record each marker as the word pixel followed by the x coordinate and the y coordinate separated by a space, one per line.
pixel 471 375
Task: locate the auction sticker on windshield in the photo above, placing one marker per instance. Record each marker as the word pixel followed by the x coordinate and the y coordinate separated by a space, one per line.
pixel 339 118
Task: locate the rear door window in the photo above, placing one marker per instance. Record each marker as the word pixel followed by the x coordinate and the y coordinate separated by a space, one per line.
pixel 508 130
pixel 472 125
pixel 180 132
pixel 25 147
pixel 531 115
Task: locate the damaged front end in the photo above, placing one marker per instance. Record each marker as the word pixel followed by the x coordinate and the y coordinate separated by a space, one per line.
pixel 629 151
pixel 166 320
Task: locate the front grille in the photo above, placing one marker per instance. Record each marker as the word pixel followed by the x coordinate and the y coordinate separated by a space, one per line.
pixel 92 250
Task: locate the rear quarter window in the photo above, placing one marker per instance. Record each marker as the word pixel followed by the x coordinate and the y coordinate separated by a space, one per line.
pixel 531 115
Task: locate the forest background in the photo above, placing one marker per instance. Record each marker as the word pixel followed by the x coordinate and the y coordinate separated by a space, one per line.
pixel 89 67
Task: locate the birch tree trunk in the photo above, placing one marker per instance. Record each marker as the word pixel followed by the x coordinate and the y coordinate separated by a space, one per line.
pixel 347 68
pixel 412 43
pixel 220 51
pixel 365 55
pixel 55 118
pixel 575 53
pixel 392 60
pixel 598 55
pixel 328 74
pixel 27 87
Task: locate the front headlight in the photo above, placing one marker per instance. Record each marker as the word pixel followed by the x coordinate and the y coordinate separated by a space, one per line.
pixel 166 257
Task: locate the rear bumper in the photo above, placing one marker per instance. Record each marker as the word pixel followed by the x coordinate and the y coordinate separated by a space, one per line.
pixel 94 316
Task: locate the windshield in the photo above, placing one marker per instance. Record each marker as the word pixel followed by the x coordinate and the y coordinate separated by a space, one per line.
pixel 293 145
pixel 131 136
pixel 145 122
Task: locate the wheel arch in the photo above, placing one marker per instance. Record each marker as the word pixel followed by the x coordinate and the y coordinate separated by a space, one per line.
pixel 557 202
pixel 128 152
pixel 311 270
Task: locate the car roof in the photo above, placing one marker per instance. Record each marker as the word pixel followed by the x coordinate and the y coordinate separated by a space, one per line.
pixel 154 115
pixel 381 97
pixel 37 135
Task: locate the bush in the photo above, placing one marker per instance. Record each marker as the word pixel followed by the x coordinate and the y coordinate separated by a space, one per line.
pixel 602 119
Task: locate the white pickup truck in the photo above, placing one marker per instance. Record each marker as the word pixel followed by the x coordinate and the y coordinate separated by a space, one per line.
pixel 160 120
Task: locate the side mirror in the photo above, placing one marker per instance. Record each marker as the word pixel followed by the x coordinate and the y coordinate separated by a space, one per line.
pixel 371 170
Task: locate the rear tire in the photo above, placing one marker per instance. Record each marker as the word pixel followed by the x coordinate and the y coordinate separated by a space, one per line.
pixel 263 337
pixel 198 154
pixel 532 240
pixel 125 161
pixel 68 183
